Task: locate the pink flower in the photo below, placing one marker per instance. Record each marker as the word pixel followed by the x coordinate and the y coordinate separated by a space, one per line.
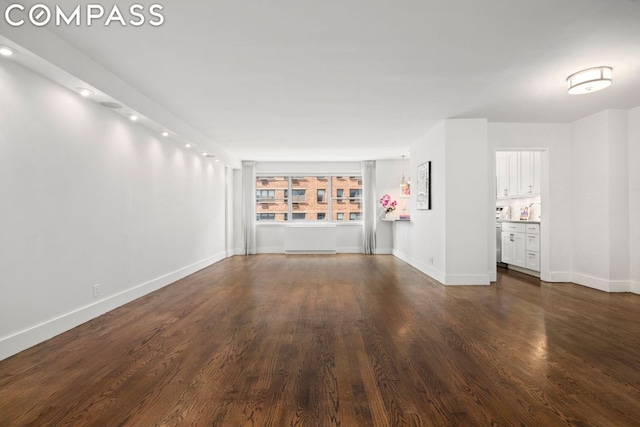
pixel 387 204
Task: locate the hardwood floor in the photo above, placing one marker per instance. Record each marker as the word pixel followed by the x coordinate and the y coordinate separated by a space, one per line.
pixel 348 340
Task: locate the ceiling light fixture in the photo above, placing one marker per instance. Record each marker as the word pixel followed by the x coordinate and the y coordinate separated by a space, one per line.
pixel 85 92
pixel 133 117
pixel 109 104
pixel 589 80
pixel 165 134
pixel 6 51
pixel 187 145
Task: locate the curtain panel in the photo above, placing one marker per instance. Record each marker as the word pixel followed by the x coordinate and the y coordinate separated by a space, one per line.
pixel 369 205
pixel 248 207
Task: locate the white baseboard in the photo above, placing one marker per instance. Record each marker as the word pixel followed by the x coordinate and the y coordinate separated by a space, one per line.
pixel 350 250
pixel 601 284
pixel 635 287
pixel 422 267
pixel 558 276
pixel 384 251
pixel 466 279
pixel 445 279
pixel 271 250
pixel 27 338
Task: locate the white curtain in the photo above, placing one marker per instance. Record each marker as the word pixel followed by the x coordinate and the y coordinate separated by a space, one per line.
pixel 248 207
pixel 369 206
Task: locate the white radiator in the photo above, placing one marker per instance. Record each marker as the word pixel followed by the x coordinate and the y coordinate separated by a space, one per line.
pixel 310 238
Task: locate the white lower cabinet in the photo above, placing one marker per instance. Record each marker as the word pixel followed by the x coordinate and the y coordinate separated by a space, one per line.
pixel 521 245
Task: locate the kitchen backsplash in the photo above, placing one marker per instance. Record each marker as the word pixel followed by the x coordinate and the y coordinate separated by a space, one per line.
pixel 535 208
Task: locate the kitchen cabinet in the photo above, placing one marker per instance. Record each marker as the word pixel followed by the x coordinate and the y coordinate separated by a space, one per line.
pixel 521 245
pixel 517 174
pixel 506 174
pixel 514 244
pixel 529 173
pixel 532 247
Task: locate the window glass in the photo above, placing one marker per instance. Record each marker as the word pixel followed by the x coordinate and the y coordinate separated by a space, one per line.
pixel 265 216
pixel 271 198
pixel 347 197
pixel 308 198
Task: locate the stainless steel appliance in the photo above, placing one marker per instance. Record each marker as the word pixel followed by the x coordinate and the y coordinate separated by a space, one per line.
pixel 502 212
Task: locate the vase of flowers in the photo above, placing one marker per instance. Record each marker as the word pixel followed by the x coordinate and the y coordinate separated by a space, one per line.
pixel 388 205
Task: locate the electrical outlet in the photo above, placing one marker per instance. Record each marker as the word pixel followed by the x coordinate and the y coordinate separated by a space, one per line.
pixel 96 290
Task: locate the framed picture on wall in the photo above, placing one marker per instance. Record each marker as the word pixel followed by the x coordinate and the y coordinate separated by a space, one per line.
pixel 423 196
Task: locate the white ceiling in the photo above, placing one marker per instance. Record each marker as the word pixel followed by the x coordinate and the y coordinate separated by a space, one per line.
pixel 358 79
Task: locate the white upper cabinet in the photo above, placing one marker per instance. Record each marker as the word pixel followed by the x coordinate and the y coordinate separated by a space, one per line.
pixel 529 173
pixel 517 174
pixel 506 174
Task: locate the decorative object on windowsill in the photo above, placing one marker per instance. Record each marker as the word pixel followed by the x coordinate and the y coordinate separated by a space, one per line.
pixel 589 80
pixel 423 199
pixel 405 185
pixel 388 205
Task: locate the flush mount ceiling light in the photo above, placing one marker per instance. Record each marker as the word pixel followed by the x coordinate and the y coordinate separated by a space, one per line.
pixel 6 51
pixel 165 134
pixel 84 92
pixel 589 80
pixel 133 117
pixel 187 145
pixel 113 105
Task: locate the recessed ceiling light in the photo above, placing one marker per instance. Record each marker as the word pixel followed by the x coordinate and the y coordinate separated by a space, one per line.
pixel 85 92
pixel 204 154
pixel 6 51
pixel 589 80
pixel 133 117
pixel 165 134
pixel 187 145
pixel 217 160
pixel 113 105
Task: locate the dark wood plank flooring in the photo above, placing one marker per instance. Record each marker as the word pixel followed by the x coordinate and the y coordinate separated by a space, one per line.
pixel 348 340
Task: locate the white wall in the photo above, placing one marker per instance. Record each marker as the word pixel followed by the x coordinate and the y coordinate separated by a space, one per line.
pixel 388 176
pixel 600 202
pixel 450 241
pixel 634 199
pixel 87 198
pixel 421 242
pixel 555 140
pixel 468 210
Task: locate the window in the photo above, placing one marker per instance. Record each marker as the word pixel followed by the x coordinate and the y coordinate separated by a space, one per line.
pixel 265 217
pixel 355 193
pixel 298 196
pixel 271 198
pixel 284 198
pixel 355 216
pixel 265 196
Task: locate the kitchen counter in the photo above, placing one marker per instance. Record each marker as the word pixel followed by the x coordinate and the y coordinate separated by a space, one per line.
pixel 516 220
